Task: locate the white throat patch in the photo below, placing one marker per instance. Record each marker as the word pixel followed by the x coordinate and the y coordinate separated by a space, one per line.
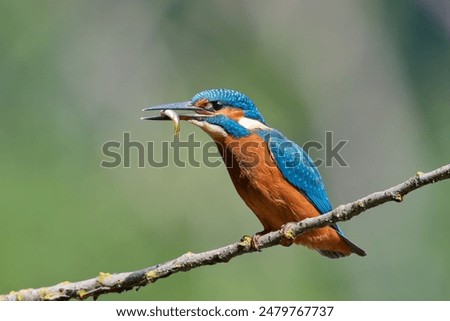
pixel 252 124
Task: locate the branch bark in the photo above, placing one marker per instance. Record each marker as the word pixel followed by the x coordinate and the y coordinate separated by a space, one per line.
pixel 119 282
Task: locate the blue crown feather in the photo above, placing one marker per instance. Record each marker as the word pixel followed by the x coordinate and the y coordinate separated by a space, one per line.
pixel 231 98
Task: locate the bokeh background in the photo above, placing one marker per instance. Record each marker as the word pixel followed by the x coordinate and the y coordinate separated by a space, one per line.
pixel 75 74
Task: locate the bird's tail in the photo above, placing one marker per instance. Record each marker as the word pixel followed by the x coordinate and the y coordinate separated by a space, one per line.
pixel 337 254
pixel 355 248
pixel 329 242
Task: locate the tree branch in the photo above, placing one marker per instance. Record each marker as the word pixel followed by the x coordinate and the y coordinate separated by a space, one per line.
pixel 119 282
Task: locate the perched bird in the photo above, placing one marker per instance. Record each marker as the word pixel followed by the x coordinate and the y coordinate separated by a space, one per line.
pixel 273 175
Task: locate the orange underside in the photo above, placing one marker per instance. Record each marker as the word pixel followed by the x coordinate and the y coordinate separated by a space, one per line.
pixel 269 195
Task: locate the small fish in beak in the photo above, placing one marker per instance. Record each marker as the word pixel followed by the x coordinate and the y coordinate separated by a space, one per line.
pixel 175 119
pixel 170 112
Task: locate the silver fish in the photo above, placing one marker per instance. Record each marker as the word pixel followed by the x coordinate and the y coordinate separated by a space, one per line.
pixel 175 119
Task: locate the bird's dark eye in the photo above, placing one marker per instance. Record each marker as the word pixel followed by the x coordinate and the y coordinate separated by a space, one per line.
pixel 217 104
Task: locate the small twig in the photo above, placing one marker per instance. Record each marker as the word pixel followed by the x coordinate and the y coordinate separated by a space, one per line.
pixel 119 282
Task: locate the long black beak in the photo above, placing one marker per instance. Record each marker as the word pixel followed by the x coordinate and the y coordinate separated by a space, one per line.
pixel 182 106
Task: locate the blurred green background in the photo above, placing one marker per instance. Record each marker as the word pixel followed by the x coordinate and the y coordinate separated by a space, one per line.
pixel 75 74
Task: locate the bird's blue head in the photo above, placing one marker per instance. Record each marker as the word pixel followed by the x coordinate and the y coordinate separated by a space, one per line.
pixel 228 98
pixel 219 112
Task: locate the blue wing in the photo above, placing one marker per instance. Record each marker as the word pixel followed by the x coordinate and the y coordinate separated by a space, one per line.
pixel 299 169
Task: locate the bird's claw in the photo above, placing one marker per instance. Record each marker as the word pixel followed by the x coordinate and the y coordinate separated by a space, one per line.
pixel 287 235
pixel 255 242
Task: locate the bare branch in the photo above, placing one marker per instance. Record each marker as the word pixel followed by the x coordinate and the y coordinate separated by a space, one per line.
pixel 119 282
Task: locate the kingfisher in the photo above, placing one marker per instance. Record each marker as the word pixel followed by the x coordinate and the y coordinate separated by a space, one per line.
pixel 274 176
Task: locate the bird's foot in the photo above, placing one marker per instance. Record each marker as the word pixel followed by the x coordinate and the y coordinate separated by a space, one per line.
pixel 255 239
pixel 287 235
pixel 255 242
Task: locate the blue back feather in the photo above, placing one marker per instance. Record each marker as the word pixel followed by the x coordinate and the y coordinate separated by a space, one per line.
pixel 299 169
